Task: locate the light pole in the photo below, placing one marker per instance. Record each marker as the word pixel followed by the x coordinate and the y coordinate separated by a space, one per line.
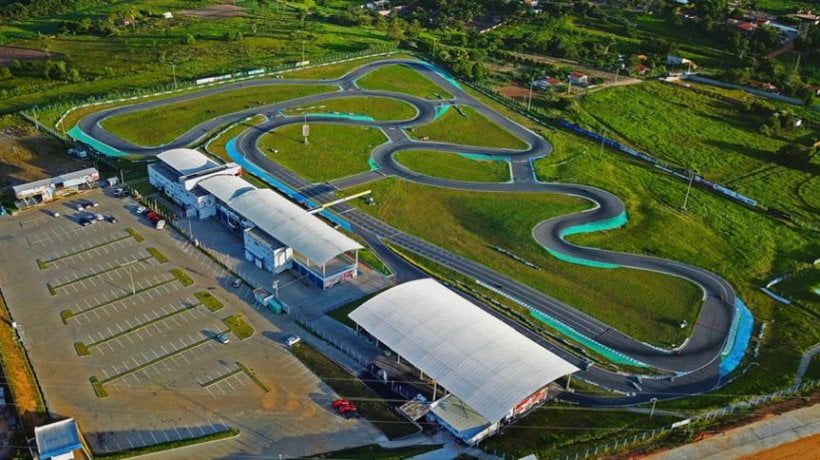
pixel 174 73
pixel 303 51
pixel 688 188
pixel 131 275
pixel 529 99
pixel 652 412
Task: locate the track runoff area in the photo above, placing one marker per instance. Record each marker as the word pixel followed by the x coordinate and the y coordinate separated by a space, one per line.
pixel 718 340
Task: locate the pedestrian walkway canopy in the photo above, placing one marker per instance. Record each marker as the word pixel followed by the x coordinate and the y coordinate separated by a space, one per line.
pixel 474 355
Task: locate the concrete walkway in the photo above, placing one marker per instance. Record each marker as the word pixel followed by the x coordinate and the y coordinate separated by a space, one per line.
pixel 755 437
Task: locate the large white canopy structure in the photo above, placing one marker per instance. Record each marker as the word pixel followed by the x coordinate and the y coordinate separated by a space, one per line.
pixel 225 187
pixel 186 161
pixel 477 357
pixel 292 225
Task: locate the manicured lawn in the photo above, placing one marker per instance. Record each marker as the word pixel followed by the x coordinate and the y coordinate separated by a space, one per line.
pixel 803 286
pixel 163 124
pixel 551 430
pixel 217 145
pixel 333 151
pixel 451 166
pixel 469 128
pixel 643 304
pixel 238 326
pixel 718 139
pixel 209 301
pixel 380 108
pixel 402 79
pixel 370 258
pixel 340 314
pixel 368 402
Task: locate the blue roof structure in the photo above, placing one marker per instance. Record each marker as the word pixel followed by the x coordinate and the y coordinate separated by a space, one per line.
pixel 57 438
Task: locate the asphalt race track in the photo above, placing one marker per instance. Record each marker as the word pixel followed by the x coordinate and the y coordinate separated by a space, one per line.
pixel 692 368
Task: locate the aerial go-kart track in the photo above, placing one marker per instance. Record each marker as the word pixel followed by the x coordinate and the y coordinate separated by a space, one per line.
pixel 702 363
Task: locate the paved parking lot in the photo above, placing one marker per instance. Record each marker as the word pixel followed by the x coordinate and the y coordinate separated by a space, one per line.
pixel 98 302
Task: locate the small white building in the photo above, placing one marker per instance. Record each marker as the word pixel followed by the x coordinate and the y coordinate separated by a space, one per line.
pixel 60 441
pixel 46 190
pixel 177 173
pixel 579 78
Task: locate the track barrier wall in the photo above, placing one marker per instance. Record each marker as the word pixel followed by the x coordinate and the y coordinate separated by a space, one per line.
pixel 739 337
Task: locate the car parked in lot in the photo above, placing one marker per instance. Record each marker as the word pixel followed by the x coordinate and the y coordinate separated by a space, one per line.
pixel 86 221
pixel 79 206
pixel 55 214
pixel 291 340
pixel 99 217
pixel 111 218
pixel 141 209
pixel 222 338
pixel 236 283
pixel 120 192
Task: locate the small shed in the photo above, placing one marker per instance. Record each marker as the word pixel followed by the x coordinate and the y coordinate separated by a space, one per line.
pixel 59 440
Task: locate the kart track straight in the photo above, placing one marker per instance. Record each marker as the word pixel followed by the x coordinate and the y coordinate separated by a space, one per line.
pixel 692 368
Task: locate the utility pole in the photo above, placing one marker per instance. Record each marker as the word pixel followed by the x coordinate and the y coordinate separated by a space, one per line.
pixel 174 73
pixel 529 99
pixel 305 129
pixel 303 51
pixel 652 412
pixel 688 188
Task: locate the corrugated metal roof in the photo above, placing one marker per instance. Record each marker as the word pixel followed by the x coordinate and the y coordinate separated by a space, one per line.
pixel 76 175
pixel 186 161
pixel 477 357
pixel 57 438
pixel 292 225
pixel 225 187
pixel 54 180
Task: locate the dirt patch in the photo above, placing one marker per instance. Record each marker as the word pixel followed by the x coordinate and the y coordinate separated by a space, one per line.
pixel 9 54
pixel 513 91
pixel 26 157
pixel 804 449
pixel 221 11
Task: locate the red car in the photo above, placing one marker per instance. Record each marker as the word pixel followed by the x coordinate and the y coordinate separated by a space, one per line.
pixel 345 407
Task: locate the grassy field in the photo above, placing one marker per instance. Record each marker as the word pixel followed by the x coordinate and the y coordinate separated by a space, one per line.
pixel 380 108
pixel 803 285
pixel 402 79
pixel 333 151
pixel 551 430
pixel 718 139
pixel 643 304
pixel 450 166
pixel 369 403
pixel 741 245
pixel 469 128
pixel 217 145
pixel 163 124
pixel 332 71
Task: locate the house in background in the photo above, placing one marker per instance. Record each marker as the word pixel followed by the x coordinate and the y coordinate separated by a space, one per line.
pixel 579 78
pixel 547 83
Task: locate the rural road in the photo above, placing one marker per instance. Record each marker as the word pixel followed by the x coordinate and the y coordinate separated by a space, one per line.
pixel 692 368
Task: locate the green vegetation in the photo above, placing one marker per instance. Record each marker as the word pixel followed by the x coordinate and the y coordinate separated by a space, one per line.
pixel 372 260
pixel 646 305
pixel 333 71
pixel 99 387
pixel 451 166
pixel 238 326
pixel 551 430
pixel 156 254
pixel 379 108
pixel 81 348
pixel 208 299
pixel 252 375
pixel 368 402
pixel 340 313
pixel 333 151
pixel 802 286
pixel 465 126
pixel 163 124
pixel 217 145
pixel 402 79
pixel 372 451
pixel 168 445
pixel 183 278
pixel 66 315
pixel 41 265
pixel 725 142
pixel 135 235
pixel 51 289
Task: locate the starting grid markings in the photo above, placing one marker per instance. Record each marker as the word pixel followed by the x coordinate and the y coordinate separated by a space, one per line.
pixel 134 439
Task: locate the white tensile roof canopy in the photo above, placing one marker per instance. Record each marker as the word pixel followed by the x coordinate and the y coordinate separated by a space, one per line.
pixel 292 225
pixel 477 357
pixel 186 161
